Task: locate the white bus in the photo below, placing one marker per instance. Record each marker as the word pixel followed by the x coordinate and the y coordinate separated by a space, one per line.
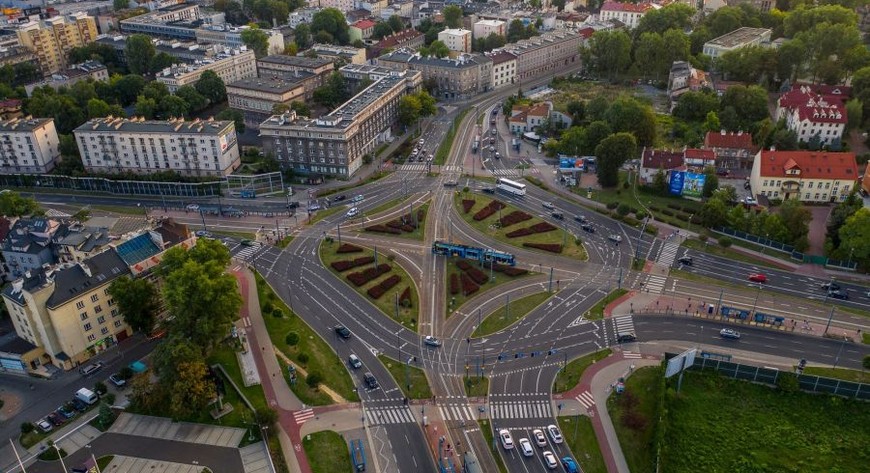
pixel 511 187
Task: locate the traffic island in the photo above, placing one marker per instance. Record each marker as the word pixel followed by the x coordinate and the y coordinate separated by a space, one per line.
pixel 327 452
pixel 515 227
pixel 375 276
pixel 476 386
pixel 569 376
pixel 509 314
pixel 411 379
pixel 411 224
pixel 468 278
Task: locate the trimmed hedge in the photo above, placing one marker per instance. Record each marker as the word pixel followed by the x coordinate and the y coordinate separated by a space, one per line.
pixel 468 286
pixel 514 218
pixel 509 270
pixel 477 275
pixel 344 265
pixel 542 227
pixel 369 274
pixel 463 265
pixel 348 248
pixel 384 229
pixel 454 284
pixel 552 248
pixel 490 209
pixel 467 205
pixel 406 296
pixel 375 292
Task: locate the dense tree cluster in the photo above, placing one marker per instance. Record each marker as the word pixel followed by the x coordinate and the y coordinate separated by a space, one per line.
pixel 412 107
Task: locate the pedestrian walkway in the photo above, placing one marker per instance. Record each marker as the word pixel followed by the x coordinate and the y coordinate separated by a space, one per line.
pixel 389 415
pixel 421 167
pixel 524 409
pixel 669 252
pixel 143 465
pixel 163 428
pixel 304 415
pixel 456 411
pixel 585 398
pixel 623 325
pixel 246 253
pixel 506 172
pixel 655 283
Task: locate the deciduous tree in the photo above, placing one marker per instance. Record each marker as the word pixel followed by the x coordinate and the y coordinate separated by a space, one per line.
pixel 212 87
pixel 612 152
pixel 139 50
pixel 137 301
pixel 12 204
pixel 257 40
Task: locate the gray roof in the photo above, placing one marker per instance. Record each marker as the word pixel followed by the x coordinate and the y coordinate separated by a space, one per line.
pixel 24 236
pixel 70 283
pixel 274 84
pixel 178 127
pixel 17 345
pixel 31 281
pixel 85 238
pixel 461 62
pixel 297 61
pixel 20 124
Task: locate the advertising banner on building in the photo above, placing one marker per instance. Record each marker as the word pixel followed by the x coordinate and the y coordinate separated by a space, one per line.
pixel 676 187
pixel 568 162
pixel 693 184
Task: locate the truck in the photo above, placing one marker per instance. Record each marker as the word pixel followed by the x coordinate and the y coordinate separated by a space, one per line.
pixel 87 396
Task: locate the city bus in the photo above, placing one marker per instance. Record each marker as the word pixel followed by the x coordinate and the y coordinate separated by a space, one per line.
pixel 511 187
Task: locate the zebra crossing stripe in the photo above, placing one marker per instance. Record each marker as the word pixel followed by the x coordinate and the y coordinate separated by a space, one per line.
pixel 629 354
pixel 586 399
pixel 303 415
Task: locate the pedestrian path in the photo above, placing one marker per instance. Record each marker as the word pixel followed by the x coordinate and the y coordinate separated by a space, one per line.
pixel 632 355
pixel 451 168
pixel 247 252
pixel 53 213
pixel 623 325
pixel 420 167
pixel 460 412
pixel 655 283
pixel 389 415
pixel 585 398
pixel 524 409
pixel 304 415
pixel 669 252
pixel 506 173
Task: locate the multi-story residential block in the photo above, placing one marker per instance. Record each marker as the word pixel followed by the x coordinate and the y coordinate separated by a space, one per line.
pixel 360 30
pixel 340 54
pixel 548 53
pixel 810 176
pixel 15 55
pixel 75 242
pixel 310 72
pixel 374 7
pixel 52 39
pixel 464 76
pixel 87 70
pixel 504 68
pixel 175 21
pixel 484 28
pixel 231 37
pixel 335 144
pixel 184 51
pixel 733 150
pixel 739 38
pixel 27 246
pixel 238 64
pixel 409 38
pixel 302 16
pixel 190 148
pixel 28 146
pixel 456 39
pixel 342 5
pixel 627 13
pixel 257 96
pixel 814 112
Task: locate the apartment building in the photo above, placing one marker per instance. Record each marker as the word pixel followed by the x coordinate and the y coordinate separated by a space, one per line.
pixel 810 176
pixel 739 38
pixel 233 66
pixel 341 5
pixel 28 146
pixel 504 68
pixel 627 13
pixel 257 96
pixel 231 37
pixel 548 53
pixel 304 15
pixel 484 28
pixel 27 245
pixel 340 54
pixel 52 39
pixel 734 150
pixel 464 76
pixel 335 144
pixel 191 148
pixel 13 55
pixel 409 38
pixel 361 30
pixel 456 39
pixel 175 21
pixel 87 70
pixel 312 72
pixel 815 112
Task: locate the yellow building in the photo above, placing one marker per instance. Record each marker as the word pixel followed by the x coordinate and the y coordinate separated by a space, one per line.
pixel 52 39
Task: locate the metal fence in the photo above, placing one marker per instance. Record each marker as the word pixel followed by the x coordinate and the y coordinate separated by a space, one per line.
pixel 807 382
pixel 789 249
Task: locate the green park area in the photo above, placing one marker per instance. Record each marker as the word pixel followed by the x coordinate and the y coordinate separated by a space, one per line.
pixel 509 314
pixel 386 285
pixel 569 376
pixel 327 452
pixel 510 225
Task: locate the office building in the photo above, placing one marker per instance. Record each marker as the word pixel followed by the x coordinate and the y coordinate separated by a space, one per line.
pixel 340 54
pixel 191 148
pixel 311 72
pixel 231 37
pixel 52 39
pixel 235 65
pixel 550 53
pixel 257 96
pixel 28 146
pixel 335 144
pixel 464 76
pixel 175 21
pixel 739 38
pixel 810 176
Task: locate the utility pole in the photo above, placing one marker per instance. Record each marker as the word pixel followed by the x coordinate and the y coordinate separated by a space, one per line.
pixel 830 317
pixel 339 232
pixel 619 281
pixel 550 285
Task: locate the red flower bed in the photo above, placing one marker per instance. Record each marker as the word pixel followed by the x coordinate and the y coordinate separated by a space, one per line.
pixel 375 292
pixel 520 232
pixel 406 296
pixel 384 229
pixel 454 284
pixel 463 265
pixel 468 286
pixel 511 271
pixel 369 274
pixel 552 248
pixel 344 265
pixel 477 275
pixel 394 224
pixel 348 248
pixel 542 227
pixel 490 209
pixel 514 218
pixel 408 228
pixel 467 205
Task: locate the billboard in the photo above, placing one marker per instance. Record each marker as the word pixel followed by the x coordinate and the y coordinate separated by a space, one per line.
pixel 693 184
pixel 568 162
pixel 676 187
pixel 680 362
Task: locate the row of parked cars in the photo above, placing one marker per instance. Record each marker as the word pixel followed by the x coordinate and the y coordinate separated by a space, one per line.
pixel 83 399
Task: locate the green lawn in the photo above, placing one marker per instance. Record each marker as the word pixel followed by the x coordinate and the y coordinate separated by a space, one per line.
pixel 865 337
pixel 597 311
pixel 320 357
pixel 635 418
pixel 323 213
pixel 719 424
pixel 476 386
pixel 714 249
pixel 407 316
pixel 488 226
pixel 327 452
pixel 236 235
pixel 444 149
pixel 405 375
pixel 569 376
pixel 501 319
pixel 486 430
pixel 103 462
pixel 839 373
pixel 385 206
pixel 454 302
pixel 580 437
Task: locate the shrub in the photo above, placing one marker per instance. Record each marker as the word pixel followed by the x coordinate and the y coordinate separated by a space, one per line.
pixel 463 265
pixel 468 286
pixel 640 214
pixel 408 228
pixel 787 382
pixel 623 210
pixel 405 298
pixel 490 209
pixel 552 248
pixel 667 212
pixel 267 307
pixel 513 218
pixel 612 205
pixel 542 227
pixel 725 242
pixel 100 388
pixel 383 229
pixel 675 206
pixel 109 398
pixel 467 205
pixel 375 292
pixel 313 379
pixel 454 284
pixel 27 427
pixel 348 248
pixel 369 274
pixel 292 339
pixel 302 358
pixel 477 275
pixel 278 313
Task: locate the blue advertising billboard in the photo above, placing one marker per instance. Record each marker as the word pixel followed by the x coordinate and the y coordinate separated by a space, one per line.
pixel 677 177
pixel 693 184
pixel 569 162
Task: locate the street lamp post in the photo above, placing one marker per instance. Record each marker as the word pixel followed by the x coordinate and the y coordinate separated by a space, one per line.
pixel 755 304
pixel 398 348
pixel 60 457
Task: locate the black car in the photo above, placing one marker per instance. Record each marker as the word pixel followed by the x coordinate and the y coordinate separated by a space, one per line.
pixel 587 228
pixel 831 286
pixel 66 413
pixel 342 331
pixel 686 260
pixel 79 405
pixel 558 215
pixel 489 190
pixel 626 338
pixel 293 205
pixel 340 198
pixel 839 294
pixel 370 380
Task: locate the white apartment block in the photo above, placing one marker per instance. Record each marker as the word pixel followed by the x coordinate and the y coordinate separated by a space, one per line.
pixel 458 39
pixel 826 122
pixel 28 146
pixel 342 5
pixel 739 38
pixel 237 65
pixel 628 13
pixel 190 148
pixel 484 28
pixel 504 68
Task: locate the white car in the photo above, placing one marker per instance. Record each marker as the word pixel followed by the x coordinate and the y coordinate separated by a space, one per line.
pixel 192 207
pixel 540 439
pixel 750 201
pixel 506 440
pixel 615 238
pixel 550 460
pixel 526 447
pixel 353 212
pixel 431 341
pixel 549 205
pixel 44 425
pixel 555 435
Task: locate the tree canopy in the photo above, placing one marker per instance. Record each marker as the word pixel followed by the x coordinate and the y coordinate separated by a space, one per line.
pixel 331 22
pixel 137 301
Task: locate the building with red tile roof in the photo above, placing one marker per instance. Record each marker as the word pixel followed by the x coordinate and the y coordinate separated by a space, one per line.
pixel 526 117
pixel 811 176
pixel 409 38
pixel 814 111
pixel 734 150
pixel 652 160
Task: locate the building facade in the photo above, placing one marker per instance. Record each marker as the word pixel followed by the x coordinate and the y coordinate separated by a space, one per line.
pixel 231 37
pixel 484 28
pixel 27 246
pixel 733 150
pixel 464 76
pixel 279 65
pixel 79 72
pixel 237 65
pixel 335 144
pixel 190 148
pixel 739 38
pixel 810 176
pixel 504 68
pixel 51 40
pixel 458 39
pixel 28 146
pixel 257 96
pixel 340 54
pixel 546 54
pixel 815 112
pixel 627 13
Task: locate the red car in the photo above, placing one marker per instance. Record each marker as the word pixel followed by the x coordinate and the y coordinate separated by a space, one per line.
pixel 757 277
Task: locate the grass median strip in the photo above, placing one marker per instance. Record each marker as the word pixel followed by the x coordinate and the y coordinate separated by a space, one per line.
pixel 456 299
pixel 476 386
pixel 580 437
pixel 486 430
pixel 447 144
pixel 323 213
pixel 570 375
pixel 510 313
pixel 597 311
pixel 411 380
pixel 635 418
pixel 327 452
pixel 714 249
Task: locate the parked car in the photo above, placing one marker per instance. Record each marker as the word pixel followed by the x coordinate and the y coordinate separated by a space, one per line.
pixel 117 381
pixel 507 441
pixel 66 413
pixel 451 183
pixel 44 425
pixel 757 277
pixel 79 405
pixel 354 361
pixel 192 208
pixel 839 294
pixel 550 460
pixel 493 131
pixel 340 198
pixel 247 242
pixel 549 205
pixel 729 333
pixel 55 419
pixel 370 380
pixel 540 438
pixel 588 228
pixel 342 331
pixel 750 201
pixel 431 341
pixel 314 207
pixel 626 338
pixel 90 369
pixel 357 198
pixel 526 447
pixel 686 260
pixel 555 435
pixel 489 190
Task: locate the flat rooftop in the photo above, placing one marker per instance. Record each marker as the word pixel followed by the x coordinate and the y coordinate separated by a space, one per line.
pixel 740 36
pixel 277 84
pixel 210 127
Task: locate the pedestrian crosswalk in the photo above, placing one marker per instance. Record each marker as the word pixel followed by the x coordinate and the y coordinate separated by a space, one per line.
pixel 585 398
pixel 419 167
pixel 301 416
pixel 623 325
pixel 460 412
pixel 247 252
pixel 669 252
pixel 655 283
pixel 451 168
pixel 632 355
pixel 389 415
pixel 56 214
pixel 521 410
pixel 506 172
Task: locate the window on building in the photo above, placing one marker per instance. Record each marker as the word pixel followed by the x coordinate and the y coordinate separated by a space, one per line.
pixel 92 337
pixel 817 196
pixel 117 323
pixel 104 330
pixel 87 327
pixel 80 305
pixel 101 320
pixel 95 298
pixel 84 315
